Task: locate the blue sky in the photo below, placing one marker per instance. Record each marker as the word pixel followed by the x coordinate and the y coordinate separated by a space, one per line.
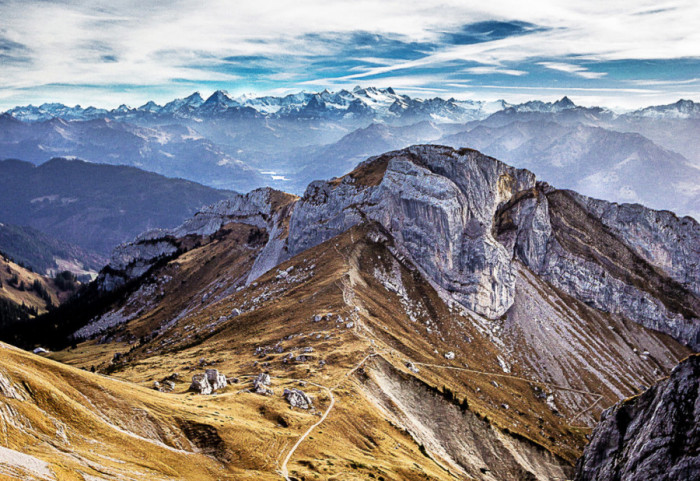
pixel 619 54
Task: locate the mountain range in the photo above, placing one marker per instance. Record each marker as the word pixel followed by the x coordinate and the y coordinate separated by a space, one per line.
pixel 94 206
pixel 47 255
pixel 245 142
pixel 435 313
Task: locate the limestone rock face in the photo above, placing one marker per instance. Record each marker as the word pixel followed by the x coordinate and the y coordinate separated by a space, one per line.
pixel 626 259
pixel 466 219
pixel 439 205
pixel 263 208
pixel 652 436
pixel 298 398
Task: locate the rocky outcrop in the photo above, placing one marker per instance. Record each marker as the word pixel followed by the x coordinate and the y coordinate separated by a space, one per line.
pixel 578 246
pixel 298 398
pixel 264 208
pixel 652 436
pixel 200 384
pixel 212 380
pixel 439 205
pixel 216 379
pixel 464 218
pixel 261 384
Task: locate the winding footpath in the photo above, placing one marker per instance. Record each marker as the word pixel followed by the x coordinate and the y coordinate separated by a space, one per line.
pixel 283 468
pixel 284 471
pixel 346 287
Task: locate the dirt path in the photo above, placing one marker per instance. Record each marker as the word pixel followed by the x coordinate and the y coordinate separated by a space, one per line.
pixel 284 472
pixel 283 468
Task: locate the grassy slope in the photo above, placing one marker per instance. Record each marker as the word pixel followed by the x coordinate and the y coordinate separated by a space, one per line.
pixel 246 436
pixel 28 296
pixel 45 254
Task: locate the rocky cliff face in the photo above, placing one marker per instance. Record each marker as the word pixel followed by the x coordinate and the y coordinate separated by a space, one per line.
pixel 652 436
pixel 439 205
pixel 264 208
pixel 466 220
pixel 627 259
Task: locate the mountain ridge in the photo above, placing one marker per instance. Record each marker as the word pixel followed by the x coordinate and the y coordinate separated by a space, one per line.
pixel 95 205
pixel 381 103
pixel 428 284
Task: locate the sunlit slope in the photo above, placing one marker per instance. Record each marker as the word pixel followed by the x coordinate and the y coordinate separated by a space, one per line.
pixel 378 313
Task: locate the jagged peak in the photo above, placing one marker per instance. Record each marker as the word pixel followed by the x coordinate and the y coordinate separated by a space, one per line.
pixel 565 102
pixel 219 96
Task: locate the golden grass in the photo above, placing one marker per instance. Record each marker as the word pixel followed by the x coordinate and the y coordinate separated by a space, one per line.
pixel 253 433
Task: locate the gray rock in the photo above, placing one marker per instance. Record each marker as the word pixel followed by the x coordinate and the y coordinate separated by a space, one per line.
pixel 132 260
pixel 465 220
pixel 298 398
pixel 412 367
pixel 439 205
pixel 200 384
pixel 216 379
pixel 652 436
pixel 261 383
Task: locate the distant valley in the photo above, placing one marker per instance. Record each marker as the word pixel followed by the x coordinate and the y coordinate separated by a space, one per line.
pixel 95 206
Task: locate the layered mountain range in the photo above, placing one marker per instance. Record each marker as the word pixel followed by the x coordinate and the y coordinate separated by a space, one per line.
pixel 245 142
pixel 93 206
pixel 433 313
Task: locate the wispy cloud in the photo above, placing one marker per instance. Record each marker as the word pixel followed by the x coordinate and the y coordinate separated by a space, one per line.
pixel 572 69
pixel 64 50
pixel 492 69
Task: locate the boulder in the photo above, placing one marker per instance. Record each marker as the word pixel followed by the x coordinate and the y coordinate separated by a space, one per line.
pixel 216 379
pixel 449 355
pixel 298 398
pixel 200 384
pixel 261 383
pixel 653 435
pixel 412 367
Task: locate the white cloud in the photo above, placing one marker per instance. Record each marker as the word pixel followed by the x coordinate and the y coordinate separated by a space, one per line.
pixel 572 69
pixel 489 70
pixel 173 45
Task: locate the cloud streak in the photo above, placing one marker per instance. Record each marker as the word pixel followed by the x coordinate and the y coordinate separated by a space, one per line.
pixel 572 69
